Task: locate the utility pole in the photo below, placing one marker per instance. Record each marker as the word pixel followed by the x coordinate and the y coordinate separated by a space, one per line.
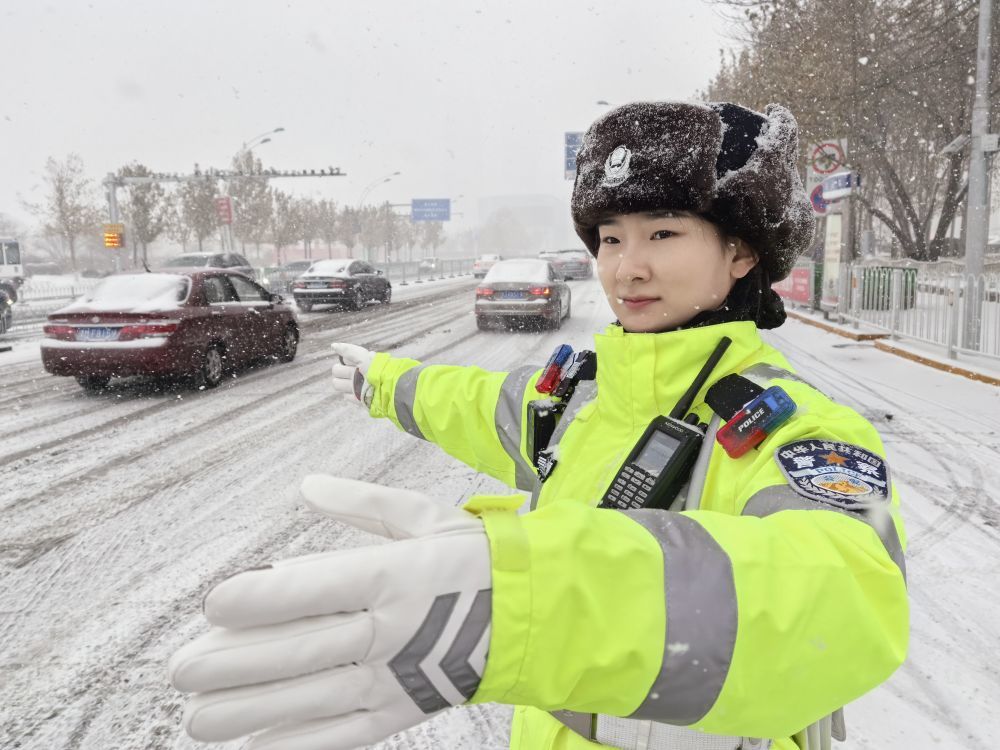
pixel 978 209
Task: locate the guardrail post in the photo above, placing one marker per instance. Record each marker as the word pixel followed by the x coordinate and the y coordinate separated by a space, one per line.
pixel 895 300
pixel 951 318
pixel 403 282
pixel 855 292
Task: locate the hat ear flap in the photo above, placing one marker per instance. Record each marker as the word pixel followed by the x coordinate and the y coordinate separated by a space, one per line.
pixel 763 201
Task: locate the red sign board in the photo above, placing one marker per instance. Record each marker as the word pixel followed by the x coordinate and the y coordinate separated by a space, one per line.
pixel 224 210
pixel 797 287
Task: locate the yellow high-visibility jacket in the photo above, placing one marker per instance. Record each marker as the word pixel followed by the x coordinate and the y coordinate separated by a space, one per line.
pixel 756 615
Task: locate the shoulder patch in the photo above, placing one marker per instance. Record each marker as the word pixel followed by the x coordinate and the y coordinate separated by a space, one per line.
pixel 839 474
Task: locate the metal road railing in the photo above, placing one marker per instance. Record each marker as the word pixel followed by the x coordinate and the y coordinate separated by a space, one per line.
pixel 925 305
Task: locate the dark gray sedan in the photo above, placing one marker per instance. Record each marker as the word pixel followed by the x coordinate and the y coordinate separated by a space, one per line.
pixel 352 283
pixel 521 290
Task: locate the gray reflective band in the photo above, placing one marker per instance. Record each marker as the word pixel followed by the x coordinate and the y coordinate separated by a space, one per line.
pixel 632 734
pixel 406 664
pixel 765 372
pixel 455 663
pixel 403 399
pixel 702 619
pixel 782 497
pixel 508 419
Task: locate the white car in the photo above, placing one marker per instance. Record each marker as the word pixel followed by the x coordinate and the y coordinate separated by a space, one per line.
pixel 483 264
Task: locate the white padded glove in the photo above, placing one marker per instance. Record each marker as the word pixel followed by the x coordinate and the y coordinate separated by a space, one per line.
pixel 343 649
pixel 349 373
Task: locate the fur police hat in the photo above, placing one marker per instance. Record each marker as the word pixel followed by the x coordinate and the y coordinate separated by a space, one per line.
pixel 728 164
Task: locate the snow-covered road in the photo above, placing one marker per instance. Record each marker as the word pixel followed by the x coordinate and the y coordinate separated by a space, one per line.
pixel 121 509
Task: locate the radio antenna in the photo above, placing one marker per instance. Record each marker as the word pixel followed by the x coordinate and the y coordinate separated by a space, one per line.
pixel 688 398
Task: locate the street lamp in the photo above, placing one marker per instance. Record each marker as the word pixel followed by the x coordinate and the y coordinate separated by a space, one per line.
pixel 247 145
pixel 372 185
pixel 239 161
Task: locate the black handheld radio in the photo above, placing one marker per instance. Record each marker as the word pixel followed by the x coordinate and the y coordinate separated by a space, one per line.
pixel 662 460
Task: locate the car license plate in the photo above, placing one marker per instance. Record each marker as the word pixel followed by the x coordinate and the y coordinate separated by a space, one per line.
pixel 317 284
pixel 511 295
pixel 97 334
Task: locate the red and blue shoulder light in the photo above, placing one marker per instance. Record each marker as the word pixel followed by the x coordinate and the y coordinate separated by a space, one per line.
pixel 552 373
pixel 750 412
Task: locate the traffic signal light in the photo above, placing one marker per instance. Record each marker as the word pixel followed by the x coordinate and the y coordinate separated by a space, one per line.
pixel 114 235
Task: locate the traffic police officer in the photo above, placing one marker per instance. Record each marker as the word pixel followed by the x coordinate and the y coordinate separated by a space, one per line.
pixel 769 594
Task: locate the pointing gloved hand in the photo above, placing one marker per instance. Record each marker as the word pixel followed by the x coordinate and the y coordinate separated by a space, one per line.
pixel 343 649
pixel 349 373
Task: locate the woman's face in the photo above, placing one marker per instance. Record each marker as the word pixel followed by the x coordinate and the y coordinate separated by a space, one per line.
pixel 661 269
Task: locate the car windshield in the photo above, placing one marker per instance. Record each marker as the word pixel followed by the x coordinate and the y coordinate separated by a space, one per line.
pixel 299 265
pixel 328 268
pixel 140 292
pixel 187 261
pixel 529 271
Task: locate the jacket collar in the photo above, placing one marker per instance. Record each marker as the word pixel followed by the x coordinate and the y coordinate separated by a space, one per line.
pixel 640 375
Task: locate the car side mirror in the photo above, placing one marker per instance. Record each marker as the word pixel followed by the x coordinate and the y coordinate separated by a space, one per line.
pixel 277 299
pixel 378 271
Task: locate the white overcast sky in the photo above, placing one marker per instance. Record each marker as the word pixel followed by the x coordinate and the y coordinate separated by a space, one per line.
pixel 464 98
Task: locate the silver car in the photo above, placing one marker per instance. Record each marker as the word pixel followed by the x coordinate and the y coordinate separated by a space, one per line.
pixel 570 264
pixel 522 290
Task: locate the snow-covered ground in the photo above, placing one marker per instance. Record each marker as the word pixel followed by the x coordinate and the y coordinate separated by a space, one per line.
pixel 120 510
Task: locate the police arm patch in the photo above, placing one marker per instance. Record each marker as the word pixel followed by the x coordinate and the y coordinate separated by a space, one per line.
pixel 840 474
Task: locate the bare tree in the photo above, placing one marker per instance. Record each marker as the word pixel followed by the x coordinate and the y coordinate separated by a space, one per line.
pixel 145 209
pixel 309 222
pixel 69 208
pixel 176 228
pixel 328 224
pixel 197 207
pixel 253 201
pixel 432 235
pixel 9 227
pixel 370 234
pixel 891 76
pixel 285 223
pixel 350 228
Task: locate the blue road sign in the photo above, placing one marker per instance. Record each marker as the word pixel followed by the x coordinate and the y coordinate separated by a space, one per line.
pixel 573 143
pixel 430 209
pixel 840 185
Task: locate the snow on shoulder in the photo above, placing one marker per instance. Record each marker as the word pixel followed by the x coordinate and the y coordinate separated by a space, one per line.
pixel 135 292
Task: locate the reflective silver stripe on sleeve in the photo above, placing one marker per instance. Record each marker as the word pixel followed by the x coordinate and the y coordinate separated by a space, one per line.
pixel 406 664
pixel 701 619
pixel 782 497
pixel 403 398
pixel 765 373
pixel 455 663
pixel 508 419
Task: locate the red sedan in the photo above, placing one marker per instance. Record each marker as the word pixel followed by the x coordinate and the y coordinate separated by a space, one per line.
pixel 190 323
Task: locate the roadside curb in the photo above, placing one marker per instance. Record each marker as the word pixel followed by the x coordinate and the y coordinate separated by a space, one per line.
pixel 953 369
pixel 809 320
pixel 879 340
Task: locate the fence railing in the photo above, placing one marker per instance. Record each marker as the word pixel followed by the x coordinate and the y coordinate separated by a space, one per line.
pixel 925 305
pixel 36 299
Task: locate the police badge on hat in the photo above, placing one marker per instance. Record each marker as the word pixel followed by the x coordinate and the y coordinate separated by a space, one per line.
pixel 616 168
pixel 839 474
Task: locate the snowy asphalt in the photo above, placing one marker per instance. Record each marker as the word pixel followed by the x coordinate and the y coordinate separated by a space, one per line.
pixel 121 509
